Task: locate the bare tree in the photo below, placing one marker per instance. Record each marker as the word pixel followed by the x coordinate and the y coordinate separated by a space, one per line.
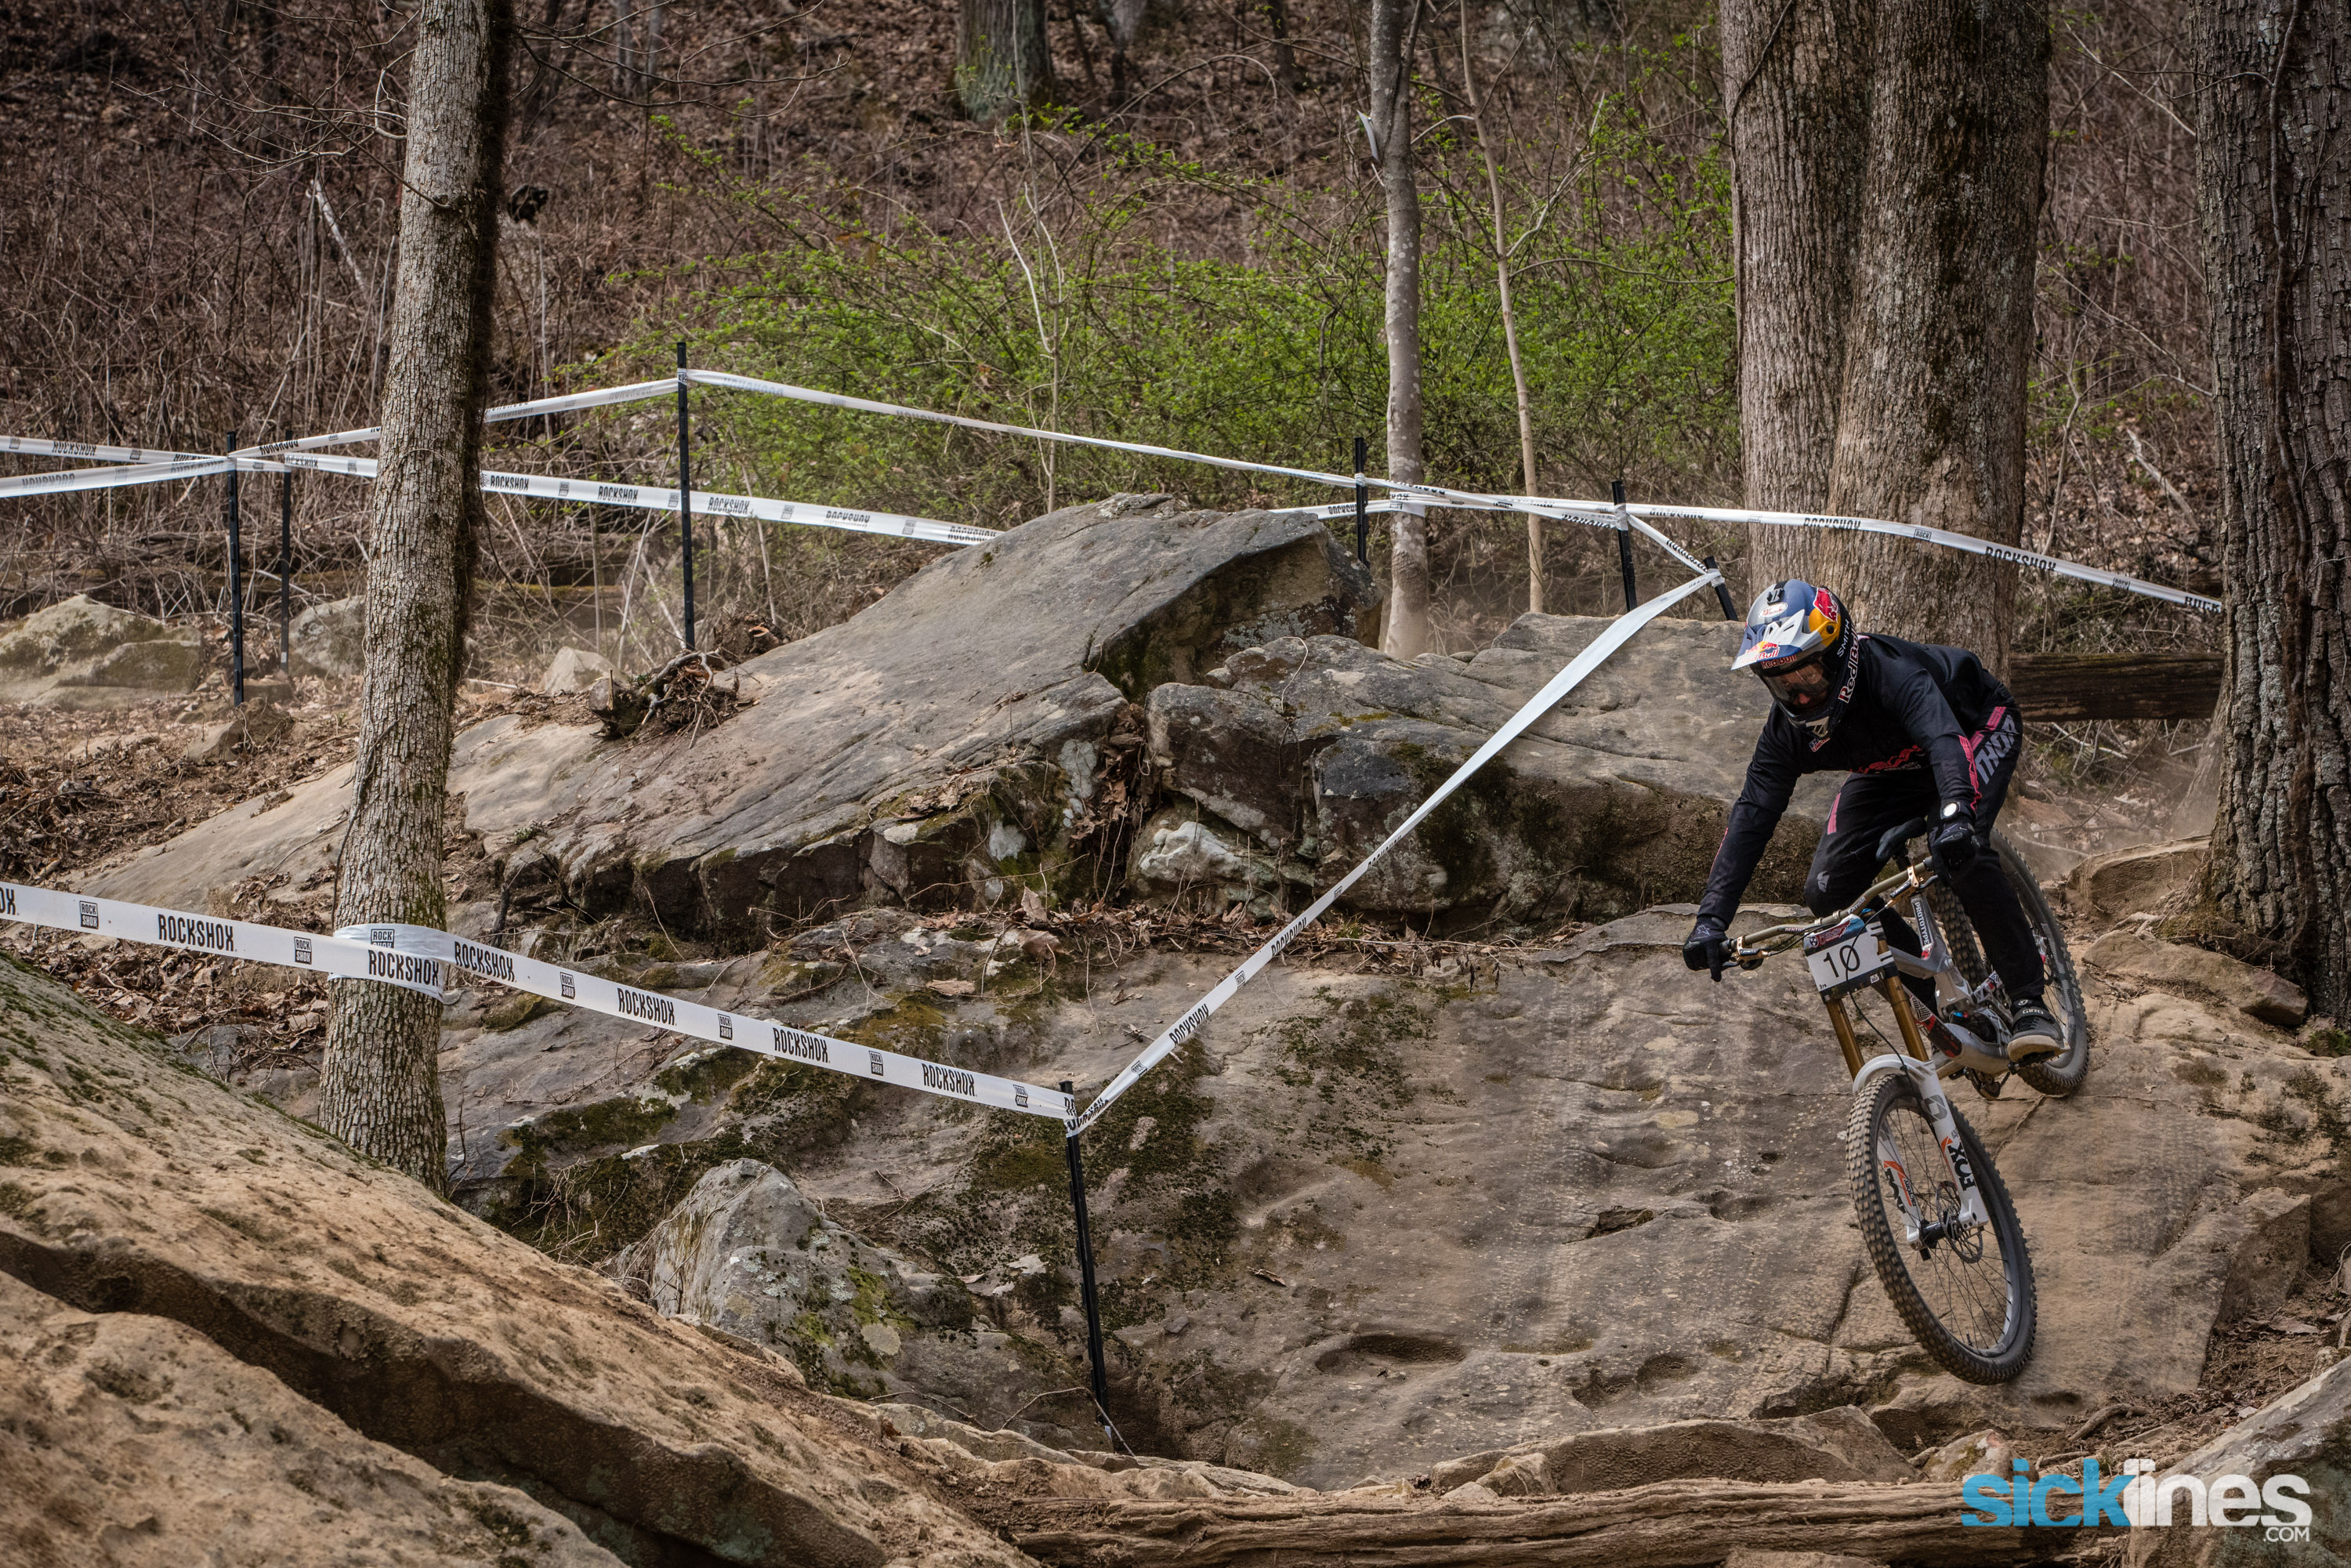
pixel 1930 418
pixel 1796 89
pixel 1886 193
pixel 381 1085
pixel 1509 320
pixel 1392 25
pixel 1002 61
pixel 2273 155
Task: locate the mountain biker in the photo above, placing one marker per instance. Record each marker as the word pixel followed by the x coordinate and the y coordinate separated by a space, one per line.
pixel 1922 731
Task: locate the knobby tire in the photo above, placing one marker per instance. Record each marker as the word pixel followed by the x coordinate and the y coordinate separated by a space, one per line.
pixel 1894 1096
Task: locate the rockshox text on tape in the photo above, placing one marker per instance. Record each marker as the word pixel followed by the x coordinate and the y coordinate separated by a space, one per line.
pixel 420 959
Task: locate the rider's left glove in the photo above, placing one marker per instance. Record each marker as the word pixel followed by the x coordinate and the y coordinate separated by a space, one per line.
pixel 1954 838
pixel 1707 947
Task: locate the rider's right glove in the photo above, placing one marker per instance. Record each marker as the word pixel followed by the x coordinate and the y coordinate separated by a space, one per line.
pixel 1707 947
pixel 1954 838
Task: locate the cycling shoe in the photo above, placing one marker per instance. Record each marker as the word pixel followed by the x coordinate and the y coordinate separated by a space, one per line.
pixel 2034 1033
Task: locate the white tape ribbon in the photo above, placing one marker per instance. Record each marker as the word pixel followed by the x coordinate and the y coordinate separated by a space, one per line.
pixel 419 958
pixel 1574 511
pixel 88 452
pixel 63 481
pixel 582 492
pixel 1617 633
pixel 635 391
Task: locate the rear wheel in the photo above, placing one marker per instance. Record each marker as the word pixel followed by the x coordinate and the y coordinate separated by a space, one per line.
pixel 2064 1072
pixel 1965 1291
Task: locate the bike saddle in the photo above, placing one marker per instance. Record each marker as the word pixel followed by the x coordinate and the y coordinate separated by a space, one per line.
pixel 1895 841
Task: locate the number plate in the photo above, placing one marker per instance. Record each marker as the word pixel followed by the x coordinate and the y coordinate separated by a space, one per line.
pixel 1849 965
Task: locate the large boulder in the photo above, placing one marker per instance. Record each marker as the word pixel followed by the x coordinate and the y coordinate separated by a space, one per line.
pixel 959 739
pixel 747 1253
pixel 133 1186
pixel 81 654
pixel 1296 758
pixel 329 640
pixel 132 1440
pixel 2306 1433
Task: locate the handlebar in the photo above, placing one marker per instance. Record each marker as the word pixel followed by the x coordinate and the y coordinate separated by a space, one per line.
pixel 1749 951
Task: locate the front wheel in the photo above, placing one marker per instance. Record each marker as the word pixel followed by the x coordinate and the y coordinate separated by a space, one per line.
pixel 1965 1291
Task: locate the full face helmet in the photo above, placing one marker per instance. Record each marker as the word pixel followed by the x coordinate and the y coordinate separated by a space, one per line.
pixel 1800 640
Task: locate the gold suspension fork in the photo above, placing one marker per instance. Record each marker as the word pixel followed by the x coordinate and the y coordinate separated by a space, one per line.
pixel 1897 998
pixel 1843 1024
pixel 1914 1043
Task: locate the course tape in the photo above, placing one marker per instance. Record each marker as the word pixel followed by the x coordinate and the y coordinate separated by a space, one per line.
pixel 584 492
pixel 40 446
pixel 1598 515
pixel 420 959
pixel 1967 543
pixel 61 481
pixel 1619 633
pixel 635 391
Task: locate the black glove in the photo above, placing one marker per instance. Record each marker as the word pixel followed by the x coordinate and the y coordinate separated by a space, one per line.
pixel 1707 947
pixel 1953 842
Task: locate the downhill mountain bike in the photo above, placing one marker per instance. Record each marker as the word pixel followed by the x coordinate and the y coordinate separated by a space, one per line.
pixel 1935 1219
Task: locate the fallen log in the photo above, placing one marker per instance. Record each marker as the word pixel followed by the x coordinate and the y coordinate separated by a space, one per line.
pixel 2064 687
pixel 1668 1524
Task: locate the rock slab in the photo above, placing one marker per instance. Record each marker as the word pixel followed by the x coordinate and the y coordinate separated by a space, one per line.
pixel 1300 756
pixel 133 1440
pixel 81 654
pixel 133 1185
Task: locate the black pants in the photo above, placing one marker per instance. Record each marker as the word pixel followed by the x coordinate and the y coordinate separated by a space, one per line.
pixel 1869 803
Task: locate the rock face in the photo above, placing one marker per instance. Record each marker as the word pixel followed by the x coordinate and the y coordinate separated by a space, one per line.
pixel 2305 1433
pixel 1299 757
pixel 80 653
pixel 329 640
pixel 132 1440
pixel 574 670
pixel 1497 1204
pixel 2125 882
pixel 745 1252
pixel 2258 993
pixel 958 739
pixel 135 1186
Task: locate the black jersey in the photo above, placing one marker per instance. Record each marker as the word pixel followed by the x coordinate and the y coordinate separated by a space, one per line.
pixel 1914 706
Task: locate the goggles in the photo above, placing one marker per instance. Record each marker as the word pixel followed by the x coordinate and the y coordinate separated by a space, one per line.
pixel 1802 685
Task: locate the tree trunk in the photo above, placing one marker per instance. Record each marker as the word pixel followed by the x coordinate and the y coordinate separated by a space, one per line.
pixel 1796 83
pixel 1666 1524
pixel 2273 154
pixel 1510 320
pixel 1002 61
pixel 1406 633
pixel 1930 424
pixel 381 1086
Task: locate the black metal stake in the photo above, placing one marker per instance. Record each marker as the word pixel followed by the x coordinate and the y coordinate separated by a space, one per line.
pixel 1722 594
pixel 286 574
pixel 1625 543
pixel 1086 1296
pixel 235 588
pixel 1362 504
pixel 685 497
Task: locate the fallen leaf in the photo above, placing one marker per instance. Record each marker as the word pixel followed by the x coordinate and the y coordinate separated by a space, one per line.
pixel 2293 1325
